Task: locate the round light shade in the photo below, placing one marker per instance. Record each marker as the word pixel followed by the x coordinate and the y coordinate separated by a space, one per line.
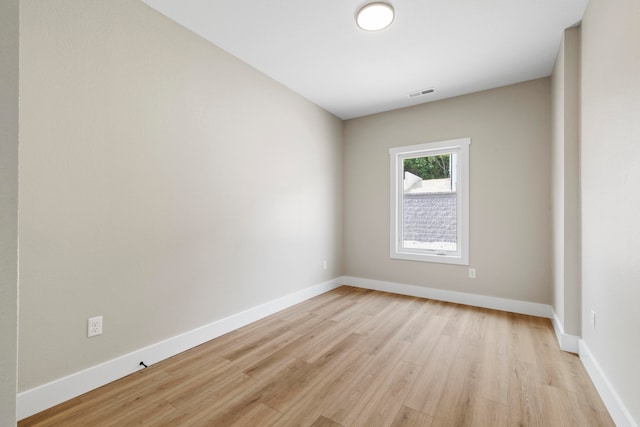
pixel 375 16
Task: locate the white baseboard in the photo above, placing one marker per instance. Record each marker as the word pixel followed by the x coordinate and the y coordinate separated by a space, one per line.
pixel 612 401
pixel 567 342
pixel 47 395
pixel 570 343
pixel 496 303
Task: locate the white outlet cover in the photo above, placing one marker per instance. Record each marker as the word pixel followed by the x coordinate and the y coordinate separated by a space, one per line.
pixel 94 326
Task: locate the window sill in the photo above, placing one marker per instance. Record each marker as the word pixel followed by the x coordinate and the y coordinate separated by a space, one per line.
pixel 440 259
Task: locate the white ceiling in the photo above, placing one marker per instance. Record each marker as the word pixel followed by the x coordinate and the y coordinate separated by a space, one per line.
pixel 315 48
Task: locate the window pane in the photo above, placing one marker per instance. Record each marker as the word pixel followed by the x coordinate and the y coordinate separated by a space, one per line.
pixel 429 203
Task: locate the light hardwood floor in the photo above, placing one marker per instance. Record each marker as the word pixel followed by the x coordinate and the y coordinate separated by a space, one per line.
pixel 353 357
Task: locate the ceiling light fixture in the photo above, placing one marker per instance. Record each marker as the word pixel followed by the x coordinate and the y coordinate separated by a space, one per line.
pixel 375 16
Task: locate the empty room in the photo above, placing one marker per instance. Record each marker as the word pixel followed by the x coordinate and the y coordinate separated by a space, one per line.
pixel 336 213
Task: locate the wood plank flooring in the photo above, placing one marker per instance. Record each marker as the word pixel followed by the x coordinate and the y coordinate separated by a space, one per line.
pixel 354 357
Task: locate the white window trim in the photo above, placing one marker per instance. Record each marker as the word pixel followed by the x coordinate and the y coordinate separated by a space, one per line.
pixel 396 157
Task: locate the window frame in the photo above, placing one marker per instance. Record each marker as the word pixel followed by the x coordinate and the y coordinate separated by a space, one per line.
pixel 396 157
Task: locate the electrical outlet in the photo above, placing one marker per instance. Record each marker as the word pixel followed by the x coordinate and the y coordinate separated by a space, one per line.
pixel 94 326
pixel 324 264
pixel 472 273
pixel 593 319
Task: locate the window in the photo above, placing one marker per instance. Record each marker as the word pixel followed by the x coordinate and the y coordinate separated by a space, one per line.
pixel 430 202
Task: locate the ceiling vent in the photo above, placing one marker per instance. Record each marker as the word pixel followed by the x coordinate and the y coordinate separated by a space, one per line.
pixel 421 93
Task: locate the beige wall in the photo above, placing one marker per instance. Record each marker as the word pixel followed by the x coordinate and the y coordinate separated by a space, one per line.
pixel 565 124
pixel 610 151
pixel 164 184
pixel 9 24
pixel 510 218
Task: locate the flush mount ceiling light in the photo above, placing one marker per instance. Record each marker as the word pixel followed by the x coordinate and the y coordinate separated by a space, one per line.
pixel 375 16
